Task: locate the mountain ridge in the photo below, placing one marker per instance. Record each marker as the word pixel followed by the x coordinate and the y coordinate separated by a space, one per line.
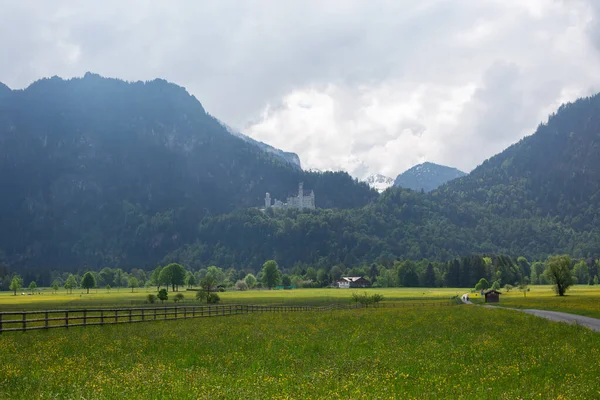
pixel 427 176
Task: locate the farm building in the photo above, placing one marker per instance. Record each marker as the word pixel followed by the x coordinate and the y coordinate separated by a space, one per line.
pixel 492 296
pixel 353 282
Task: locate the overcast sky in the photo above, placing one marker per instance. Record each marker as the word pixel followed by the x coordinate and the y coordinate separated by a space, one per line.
pixel 362 86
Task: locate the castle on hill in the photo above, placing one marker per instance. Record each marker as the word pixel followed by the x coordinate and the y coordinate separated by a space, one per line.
pixel 300 201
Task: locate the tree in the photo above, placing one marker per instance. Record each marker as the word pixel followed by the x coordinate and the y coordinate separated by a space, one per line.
pixel 286 281
pixel 508 287
pixel 55 287
pixel 483 284
pixel 429 280
pixel 163 295
pixel 173 274
pixel 558 272
pixel 133 283
pixel 151 298
pixel 70 283
pixel 581 272
pixel 119 278
pixel 271 274
pixel 190 280
pixel 155 277
pixel 596 280
pixel 335 273
pixel 250 280
pixel 16 283
pixel 108 288
pixel 496 285
pixel 241 285
pixel 32 286
pixel 524 287
pixel 88 281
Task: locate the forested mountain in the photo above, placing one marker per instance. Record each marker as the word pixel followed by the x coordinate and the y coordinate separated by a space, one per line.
pixel 427 176
pixel 98 172
pixel 538 197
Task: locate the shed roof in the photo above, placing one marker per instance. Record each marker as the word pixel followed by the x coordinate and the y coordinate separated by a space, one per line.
pixel 492 291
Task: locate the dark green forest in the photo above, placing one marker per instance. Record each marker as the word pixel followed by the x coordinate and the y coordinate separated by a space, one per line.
pixel 104 173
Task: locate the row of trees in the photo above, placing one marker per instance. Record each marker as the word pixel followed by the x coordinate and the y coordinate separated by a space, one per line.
pixel 498 270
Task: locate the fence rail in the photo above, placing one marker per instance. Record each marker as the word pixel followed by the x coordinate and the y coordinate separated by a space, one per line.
pixel 35 320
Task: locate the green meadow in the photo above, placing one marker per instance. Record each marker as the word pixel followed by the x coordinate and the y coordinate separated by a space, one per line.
pixel 125 298
pixel 416 352
pixel 420 346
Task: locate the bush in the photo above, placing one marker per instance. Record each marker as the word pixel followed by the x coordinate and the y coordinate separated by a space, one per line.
pixel 213 298
pixel 241 285
pixel 365 299
pixel 178 297
pixel 163 295
pixel 151 298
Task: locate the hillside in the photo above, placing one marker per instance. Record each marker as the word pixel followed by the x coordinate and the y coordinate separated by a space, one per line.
pixel 427 176
pixel 538 197
pixel 98 171
pixel 554 172
pixel 285 156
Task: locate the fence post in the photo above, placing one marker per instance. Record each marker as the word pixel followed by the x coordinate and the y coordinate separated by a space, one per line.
pixel 184 312
pixel 143 319
pixel 24 321
pixel 193 311
pixel 155 313
pixel 45 321
pixel 175 312
pixel 66 319
pixel 101 317
pixel 116 315
pixel 84 317
pixel 130 315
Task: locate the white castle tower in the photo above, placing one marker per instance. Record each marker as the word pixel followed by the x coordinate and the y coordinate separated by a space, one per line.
pixel 301 195
pixel 268 200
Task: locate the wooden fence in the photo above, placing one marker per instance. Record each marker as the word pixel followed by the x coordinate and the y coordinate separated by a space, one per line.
pixel 34 320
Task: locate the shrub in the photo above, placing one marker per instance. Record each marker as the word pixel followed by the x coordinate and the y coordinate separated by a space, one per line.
pixel 241 285
pixel 178 297
pixel 163 295
pixel 213 298
pixel 151 298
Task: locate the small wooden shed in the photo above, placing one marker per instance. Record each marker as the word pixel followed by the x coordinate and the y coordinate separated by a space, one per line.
pixel 492 296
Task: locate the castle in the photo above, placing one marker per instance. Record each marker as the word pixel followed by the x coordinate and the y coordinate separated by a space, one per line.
pixel 301 201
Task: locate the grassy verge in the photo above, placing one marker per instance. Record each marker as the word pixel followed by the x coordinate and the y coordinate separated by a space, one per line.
pixel 447 352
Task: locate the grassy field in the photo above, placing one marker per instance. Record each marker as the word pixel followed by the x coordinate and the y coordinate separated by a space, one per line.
pixel 124 297
pixel 454 352
pixel 580 299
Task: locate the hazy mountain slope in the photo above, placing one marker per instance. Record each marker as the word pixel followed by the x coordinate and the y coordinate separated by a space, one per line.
pixel 286 156
pixel 100 171
pixel 427 176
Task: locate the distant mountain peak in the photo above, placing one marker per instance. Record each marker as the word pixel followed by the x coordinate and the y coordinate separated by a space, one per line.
pixel 379 182
pixel 427 176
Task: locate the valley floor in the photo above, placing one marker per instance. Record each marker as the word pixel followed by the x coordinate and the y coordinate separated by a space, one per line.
pixel 455 352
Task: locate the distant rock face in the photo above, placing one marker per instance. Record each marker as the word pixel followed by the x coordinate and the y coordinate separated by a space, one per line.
pixel 288 157
pixel 379 182
pixel 427 176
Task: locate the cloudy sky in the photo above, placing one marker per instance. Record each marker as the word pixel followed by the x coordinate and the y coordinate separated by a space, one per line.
pixel 363 86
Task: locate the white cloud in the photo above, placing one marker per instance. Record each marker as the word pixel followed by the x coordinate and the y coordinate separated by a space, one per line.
pixel 362 86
